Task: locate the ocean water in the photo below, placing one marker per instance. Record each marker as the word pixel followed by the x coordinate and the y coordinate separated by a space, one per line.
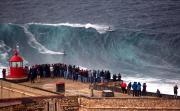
pixel 143 42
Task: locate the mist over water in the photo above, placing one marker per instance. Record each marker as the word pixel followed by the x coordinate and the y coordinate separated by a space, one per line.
pixel 143 40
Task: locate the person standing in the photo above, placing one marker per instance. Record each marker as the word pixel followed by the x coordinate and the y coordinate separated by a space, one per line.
pixel 139 89
pixel 38 75
pixel 33 74
pixel 52 71
pixel 129 88
pixel 119 77
pixel 123 87
pixel 134 87
pixel 4 73
pixel 91 87
pixel 114 77
pixel 158 93
pixel 175 91
pixel 144 89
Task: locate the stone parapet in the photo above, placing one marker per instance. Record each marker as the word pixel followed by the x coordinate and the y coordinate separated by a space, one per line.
pixel 129 103
pixel 13 90
pixel 83 103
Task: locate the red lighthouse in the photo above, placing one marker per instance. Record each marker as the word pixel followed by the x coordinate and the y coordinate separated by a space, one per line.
pixel 17 72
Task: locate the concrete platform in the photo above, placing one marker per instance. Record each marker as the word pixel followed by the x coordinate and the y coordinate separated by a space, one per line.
pixel 71 87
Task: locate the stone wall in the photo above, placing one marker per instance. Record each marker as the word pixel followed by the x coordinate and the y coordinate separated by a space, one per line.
pixel 49 103
pixel 83 103
pixel 129 103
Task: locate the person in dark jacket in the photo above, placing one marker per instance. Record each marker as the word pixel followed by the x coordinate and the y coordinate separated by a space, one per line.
pixel 33 73
pixel 144 89
pixel 158 93
pixel 119 77
pixel 175 91
pixel 129 88
pixel 114 77
pixel 4 73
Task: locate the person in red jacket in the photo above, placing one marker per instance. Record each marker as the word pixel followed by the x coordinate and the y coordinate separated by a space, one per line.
pixel 123 87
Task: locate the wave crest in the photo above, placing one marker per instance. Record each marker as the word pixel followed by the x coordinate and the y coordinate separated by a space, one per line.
pixel 100 28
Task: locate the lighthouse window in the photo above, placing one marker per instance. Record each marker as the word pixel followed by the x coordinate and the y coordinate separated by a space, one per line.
pixel 16 64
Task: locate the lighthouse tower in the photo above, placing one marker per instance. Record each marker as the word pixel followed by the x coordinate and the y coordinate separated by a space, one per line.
pixel 16 72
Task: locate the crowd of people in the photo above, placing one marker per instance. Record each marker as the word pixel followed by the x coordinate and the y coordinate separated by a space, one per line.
pixel 75 73
pixel 83 75
pixel 68 72
pixel 135 88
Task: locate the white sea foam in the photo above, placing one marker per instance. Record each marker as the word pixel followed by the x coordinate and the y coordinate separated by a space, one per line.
pixel 82 68
pixel 35 44
pixel 4 49
pixel 4 55
pixel 100 28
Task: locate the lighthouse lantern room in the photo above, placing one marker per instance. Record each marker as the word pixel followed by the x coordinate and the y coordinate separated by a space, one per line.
pixel 17 72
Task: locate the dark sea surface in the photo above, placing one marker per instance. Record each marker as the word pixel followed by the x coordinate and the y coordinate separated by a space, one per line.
pixel 139 38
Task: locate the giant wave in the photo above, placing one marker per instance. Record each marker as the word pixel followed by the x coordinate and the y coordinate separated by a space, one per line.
pixel 93 45
pixel 133 53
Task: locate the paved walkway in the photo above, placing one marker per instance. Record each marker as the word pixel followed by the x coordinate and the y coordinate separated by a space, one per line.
pixel 71 87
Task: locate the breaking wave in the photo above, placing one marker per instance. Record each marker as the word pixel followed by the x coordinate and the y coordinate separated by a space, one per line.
pixel 135 54
pixel 35 44
pixel 95 46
